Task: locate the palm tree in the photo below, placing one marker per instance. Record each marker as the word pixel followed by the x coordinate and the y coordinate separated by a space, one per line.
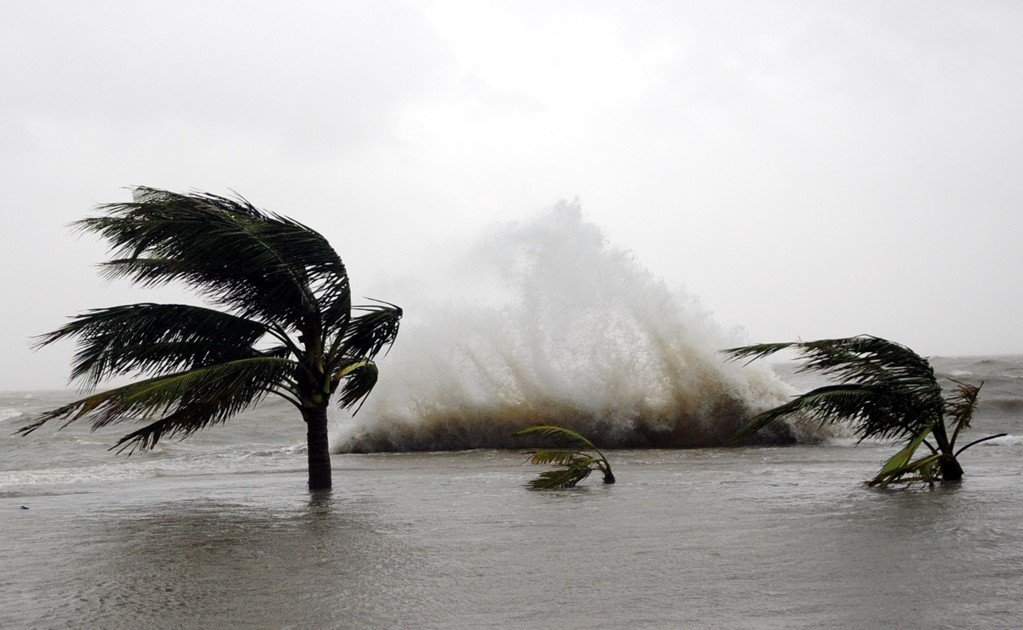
pixel 281 322
pixel 575 461
pixel 890 392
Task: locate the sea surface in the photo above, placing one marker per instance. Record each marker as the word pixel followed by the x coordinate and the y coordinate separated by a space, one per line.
pixel 219 531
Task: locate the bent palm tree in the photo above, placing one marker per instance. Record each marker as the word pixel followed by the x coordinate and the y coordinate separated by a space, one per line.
pixel 575 462
pixel 285 326
pixel 891 393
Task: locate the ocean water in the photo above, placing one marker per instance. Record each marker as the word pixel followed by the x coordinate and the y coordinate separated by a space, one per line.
pixel 430 525
pixel 219 531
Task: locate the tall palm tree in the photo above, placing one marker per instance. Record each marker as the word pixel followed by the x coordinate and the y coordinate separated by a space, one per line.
pixel 281 322
pixel 890 392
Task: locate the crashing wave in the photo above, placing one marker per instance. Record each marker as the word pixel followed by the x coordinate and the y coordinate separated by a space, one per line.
pixel 548 323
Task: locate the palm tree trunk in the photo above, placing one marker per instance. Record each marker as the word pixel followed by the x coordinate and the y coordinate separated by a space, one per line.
pixel 319 448
pixel 949 465
pixel 950 468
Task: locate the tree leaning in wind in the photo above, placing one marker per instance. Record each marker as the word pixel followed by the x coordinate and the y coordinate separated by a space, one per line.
pixel 890 392
pixel 282 323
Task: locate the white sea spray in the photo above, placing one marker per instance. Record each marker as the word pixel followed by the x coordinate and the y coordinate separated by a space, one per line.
pixel 544 321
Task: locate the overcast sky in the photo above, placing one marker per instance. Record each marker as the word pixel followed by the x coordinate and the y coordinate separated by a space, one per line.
pixel 806 169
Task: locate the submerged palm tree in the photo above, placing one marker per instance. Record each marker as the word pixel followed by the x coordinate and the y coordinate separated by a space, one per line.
pixel 284 325
pixel 575 460
pixel 890 393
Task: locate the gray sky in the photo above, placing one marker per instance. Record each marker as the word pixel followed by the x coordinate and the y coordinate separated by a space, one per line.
pixel 807 169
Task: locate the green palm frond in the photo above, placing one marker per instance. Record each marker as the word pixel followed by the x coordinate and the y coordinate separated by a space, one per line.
pixel 360 376
pixel 926 469
pixel 559 479
pixel 891 392
pixel 368 333
pixel 861 359
pixel 184 421
pixel 759 350
pixel 871 411
pixel 261 265
pixel 555 457
pixel 154 339
pixel 823 404
pixel 960 406
pixel 901 463
pixel 228 388
pixel 557 435
pixel 574 463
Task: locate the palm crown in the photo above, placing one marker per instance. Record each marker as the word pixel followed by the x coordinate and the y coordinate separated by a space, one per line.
pixel 576 457
pixel 889 392
pixel 282 322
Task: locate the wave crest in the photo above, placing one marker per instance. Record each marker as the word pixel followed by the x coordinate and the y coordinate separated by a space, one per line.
pixel 548 323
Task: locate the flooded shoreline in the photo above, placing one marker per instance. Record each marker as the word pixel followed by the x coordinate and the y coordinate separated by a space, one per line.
pixel 766 537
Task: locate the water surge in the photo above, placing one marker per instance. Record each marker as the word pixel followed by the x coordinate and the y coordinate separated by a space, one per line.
pixel 545 321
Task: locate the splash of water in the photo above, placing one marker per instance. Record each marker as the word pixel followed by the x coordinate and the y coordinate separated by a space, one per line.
pixel 545 322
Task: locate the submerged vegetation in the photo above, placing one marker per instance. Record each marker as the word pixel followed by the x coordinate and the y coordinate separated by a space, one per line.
pixel 282 324
pixel 576 458
pixel 889 393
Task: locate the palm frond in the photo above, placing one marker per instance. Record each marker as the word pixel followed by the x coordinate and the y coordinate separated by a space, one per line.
pixel 368 333
pixel 926 468
pixel 575 464
pixel 182 422
pixel 154 339
pixel 890 390
pixel 558 435
pixel 360 376
pixel 869 410
pixel 260 264
pixel 960 406
pixel 759 350
pixel 862 359
pixel 555 457
pixel 334 300
pixel 560 478
pixel 901 463
pixel 228 387
pixel 876 361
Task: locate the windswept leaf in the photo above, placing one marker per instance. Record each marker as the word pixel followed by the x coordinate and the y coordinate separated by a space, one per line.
pixel 575 464
pixel 260 264
pixel 887 392
pixel 559 458
pixel 359 379
pixel 368 333
pixel 229 387
pixel 923 467
pixel 154 339
pixel 890 391
pixel 960 406
pixel 557 435
pixel 899 460
pixel 758 351
pixel 560 478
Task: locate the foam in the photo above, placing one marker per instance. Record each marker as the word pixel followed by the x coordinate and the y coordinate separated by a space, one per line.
pixel 544 321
